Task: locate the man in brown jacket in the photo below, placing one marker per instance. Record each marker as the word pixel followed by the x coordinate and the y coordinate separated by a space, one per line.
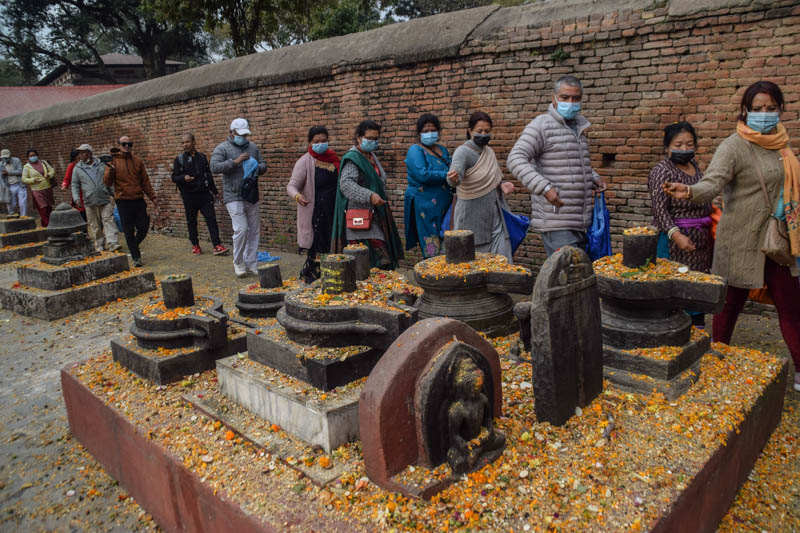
pixel 126 173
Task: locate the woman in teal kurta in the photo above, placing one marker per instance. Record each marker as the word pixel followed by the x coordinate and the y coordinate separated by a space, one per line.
pixel 428 196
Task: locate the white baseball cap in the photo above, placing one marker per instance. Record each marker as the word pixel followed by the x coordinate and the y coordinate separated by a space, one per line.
pixel 86 147
pixel 240 126
pixel 5 153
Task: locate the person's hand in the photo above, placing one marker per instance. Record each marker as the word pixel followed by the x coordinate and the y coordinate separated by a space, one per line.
pixel 62 187
pixel 679 191
pixel 300 199
pixel 600 186
pixel 552 197
pixel 376 200
pixel 38 179
pixel 452 177
pixel 683 242
pixel 187 178
pixel 507 187
pixel 242 157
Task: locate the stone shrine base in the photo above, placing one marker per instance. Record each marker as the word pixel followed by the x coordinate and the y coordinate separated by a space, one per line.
pixel 192 474
pixel 10 254
pixel 51 305
pixel 328 423
pixel 164 366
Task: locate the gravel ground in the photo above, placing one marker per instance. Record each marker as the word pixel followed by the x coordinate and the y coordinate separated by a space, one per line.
pixel 48 482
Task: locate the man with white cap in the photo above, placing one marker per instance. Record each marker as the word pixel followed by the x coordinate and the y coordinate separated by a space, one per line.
pixel 87 178
pixel 229 159
pixel 11 170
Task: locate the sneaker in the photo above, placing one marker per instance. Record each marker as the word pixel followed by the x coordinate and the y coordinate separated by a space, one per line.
pixel 196 250
pixel 797 381
pixel 252 271
pixel 240 270
pixel 220 250
pixel 137 262
pixel 114 247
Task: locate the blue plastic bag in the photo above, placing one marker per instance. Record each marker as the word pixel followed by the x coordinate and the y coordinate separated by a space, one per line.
pixel 598 238
pixel 117 220
pixel 266 257
pixel 517 226
pixel 249 167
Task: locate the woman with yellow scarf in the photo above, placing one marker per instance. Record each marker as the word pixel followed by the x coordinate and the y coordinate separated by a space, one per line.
pixel 757 156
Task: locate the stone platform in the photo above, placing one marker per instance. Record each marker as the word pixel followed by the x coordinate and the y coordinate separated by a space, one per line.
pixel 9 254
pixel 327 423
pixel 161 369
pixel 51 305
pixel 180 500
pixel 23 237
pixel 55 279
pixel 286 356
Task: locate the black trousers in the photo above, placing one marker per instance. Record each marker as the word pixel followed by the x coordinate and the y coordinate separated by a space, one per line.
pixel 201 201
pixel 135 223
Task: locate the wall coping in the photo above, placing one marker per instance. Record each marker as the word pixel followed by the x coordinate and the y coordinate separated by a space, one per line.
pixel 423 39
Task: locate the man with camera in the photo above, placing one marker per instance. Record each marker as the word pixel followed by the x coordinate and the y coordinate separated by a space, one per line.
pixel 192 175
pixel 89 190
pixel 127 175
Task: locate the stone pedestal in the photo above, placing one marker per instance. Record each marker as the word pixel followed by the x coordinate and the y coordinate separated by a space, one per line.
pixel 639 247
pixel 64 283
pixel 643 319
pixel 473 291
pixel 167 345
pixel 20 239
pixel 360 253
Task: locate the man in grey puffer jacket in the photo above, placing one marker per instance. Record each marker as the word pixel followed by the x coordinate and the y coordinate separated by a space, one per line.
pixel 227 159
pixel 87 180
pixel 551 159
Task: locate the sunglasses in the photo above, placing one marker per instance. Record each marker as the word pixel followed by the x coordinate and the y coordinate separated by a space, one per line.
pixel 127 145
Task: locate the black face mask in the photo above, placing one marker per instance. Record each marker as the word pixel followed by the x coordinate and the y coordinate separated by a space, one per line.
pixel 481 139
pixel 681 157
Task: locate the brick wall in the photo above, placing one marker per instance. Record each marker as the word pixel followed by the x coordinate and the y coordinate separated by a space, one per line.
pixel 642 69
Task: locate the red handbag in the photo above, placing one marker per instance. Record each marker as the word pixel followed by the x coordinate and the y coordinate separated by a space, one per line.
pixel 358 218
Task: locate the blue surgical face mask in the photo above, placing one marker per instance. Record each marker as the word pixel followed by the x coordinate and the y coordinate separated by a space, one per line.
pixel 239 140
pixel 762 122
pixel 568 110
pixel 320 148
pixel 368 145
pixel 33 159
pixel 429 138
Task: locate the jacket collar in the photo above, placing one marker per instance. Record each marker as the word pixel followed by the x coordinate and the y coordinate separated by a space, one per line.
pixel 580 120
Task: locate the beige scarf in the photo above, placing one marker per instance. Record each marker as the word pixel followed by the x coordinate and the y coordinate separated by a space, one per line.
pixel 484 176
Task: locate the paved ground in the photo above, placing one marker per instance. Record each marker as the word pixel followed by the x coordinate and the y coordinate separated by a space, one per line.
pixel 47 481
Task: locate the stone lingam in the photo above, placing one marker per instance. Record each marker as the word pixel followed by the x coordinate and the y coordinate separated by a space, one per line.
pixel 20 239
pixel 264 299
pixel 648 341
pixel 327 335
pixel 177 335
pixel 471 287
pixel 71 276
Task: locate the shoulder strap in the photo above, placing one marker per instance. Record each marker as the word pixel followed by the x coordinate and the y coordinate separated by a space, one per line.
pixel 432 152
pixel 760 172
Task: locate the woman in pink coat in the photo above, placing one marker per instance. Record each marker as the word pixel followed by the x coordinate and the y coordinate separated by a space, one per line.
pixel 313 187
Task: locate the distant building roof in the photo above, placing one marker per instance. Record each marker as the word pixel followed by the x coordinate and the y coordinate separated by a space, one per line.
pixel 17 100
pixel 109 60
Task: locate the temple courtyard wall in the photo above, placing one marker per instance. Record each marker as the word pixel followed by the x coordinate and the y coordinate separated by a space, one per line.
pixel 644 65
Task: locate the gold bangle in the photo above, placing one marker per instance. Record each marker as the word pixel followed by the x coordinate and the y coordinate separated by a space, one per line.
pixel 688 192
pixel 295 197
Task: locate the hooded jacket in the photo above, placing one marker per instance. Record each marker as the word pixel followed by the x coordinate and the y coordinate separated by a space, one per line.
pixel 87 178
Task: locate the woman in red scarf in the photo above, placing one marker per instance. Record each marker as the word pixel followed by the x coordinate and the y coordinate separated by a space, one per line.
pixel 313 187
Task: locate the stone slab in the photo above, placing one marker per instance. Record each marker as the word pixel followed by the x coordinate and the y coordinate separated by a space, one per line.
pixel 177 498
pixel 656 368
pixel 51 305
pixel 56 279
pixel 328 425
pixel 280 444
pixel 161 370
pixel 643 384
pixel 23 237
pixel 16 254
pixel 325 374
pixel 14 225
